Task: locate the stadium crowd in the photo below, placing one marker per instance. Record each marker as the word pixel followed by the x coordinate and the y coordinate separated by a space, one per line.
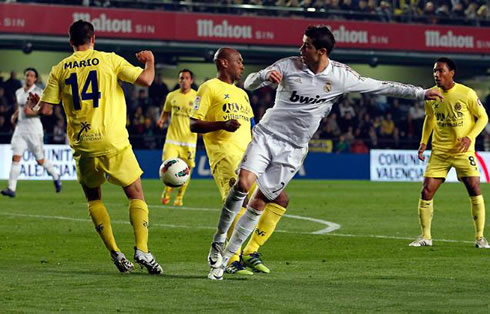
pixel 462 12
pixel 355 124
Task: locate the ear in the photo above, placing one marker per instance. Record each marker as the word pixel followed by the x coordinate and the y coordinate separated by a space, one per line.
pixel 323 51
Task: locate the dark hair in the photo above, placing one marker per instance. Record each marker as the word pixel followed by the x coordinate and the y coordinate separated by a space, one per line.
pixel 450 63
pixel 81 32
pixel 188 71
pixel 33 70
pixel 321 37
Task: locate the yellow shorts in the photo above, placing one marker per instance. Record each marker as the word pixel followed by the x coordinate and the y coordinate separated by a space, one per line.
pixel 440 164
pixel 225 174
pixel 186 153
pixel 121 169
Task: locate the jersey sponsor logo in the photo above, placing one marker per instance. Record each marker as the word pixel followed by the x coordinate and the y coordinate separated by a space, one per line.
pixel 85 127
pixel 81 64
pixel 305 99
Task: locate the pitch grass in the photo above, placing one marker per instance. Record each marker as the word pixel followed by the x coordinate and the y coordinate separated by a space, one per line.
pixel 52 260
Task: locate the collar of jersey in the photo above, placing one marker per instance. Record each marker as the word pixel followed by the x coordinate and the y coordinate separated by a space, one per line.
pixel 83 52
pixel 324 72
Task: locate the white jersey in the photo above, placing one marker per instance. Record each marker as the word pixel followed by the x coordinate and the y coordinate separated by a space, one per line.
pixel 25 124
pixel 303 98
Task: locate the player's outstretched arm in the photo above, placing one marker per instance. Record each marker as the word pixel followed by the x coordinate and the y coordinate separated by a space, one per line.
pixel 37 106
pixel 260 79
pixel 146 77
pixel 200 126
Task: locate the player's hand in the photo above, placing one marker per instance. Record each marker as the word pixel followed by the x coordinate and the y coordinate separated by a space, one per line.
pixel 160 123
pixel 231 125
pixel 145 56
pixel 433 94
pixel 464 144
pixel 421 151
pixel 13 118
pixel 33 102
pixel 274 76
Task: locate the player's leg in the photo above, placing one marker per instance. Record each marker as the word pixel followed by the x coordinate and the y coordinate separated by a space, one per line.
pixel 35 144
pixel 188 155
pixel 434 176
pixel 469 174
pixel 91 179
pixel 13 175
pixel 123 170
pixel 169 151
pixel 18 145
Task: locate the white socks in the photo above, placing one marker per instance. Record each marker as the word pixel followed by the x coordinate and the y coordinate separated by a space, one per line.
pixel 243 228
pixel 14 174
pixel 50 169
pixel 231 207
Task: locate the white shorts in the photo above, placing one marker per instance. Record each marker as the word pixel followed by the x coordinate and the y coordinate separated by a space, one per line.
pixel 27 141
pixel 273 161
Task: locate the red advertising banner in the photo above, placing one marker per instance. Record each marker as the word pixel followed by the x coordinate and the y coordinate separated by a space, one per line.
pixel 263 31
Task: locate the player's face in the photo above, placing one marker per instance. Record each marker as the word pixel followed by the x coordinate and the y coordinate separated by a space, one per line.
pixel 235 66
pixel 185 81
pixel 442 75
pixel 30 78
pixel 309 54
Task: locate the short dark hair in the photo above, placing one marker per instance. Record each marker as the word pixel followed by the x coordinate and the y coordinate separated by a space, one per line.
pixel 321 37
pixel 450 63
pixel 188 71
pixel 33 70
pixel 81 32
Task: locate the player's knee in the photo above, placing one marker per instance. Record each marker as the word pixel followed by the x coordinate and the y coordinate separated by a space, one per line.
pixel 282 200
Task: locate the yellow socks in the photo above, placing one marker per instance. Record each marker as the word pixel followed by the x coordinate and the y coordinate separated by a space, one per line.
pixel 478 213
pixel 102 223
pixel 266 226
pixel 138 215
pixel 426 210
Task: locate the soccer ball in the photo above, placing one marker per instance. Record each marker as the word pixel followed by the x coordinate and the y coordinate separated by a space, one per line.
pixel 174 172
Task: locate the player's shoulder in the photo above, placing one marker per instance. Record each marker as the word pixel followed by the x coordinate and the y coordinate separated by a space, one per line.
pixel 290 63
pixel 461 88
pixel 173 93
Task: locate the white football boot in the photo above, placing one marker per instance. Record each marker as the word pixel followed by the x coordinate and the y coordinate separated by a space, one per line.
pixel 420 241
pixel 121 262
pixel 215 256
pixel 482 243
pixel 147 260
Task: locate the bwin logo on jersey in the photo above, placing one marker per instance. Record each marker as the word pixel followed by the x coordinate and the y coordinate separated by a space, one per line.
pixel 305 99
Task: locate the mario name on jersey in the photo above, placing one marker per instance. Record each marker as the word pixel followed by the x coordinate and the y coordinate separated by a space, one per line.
pixel 81 63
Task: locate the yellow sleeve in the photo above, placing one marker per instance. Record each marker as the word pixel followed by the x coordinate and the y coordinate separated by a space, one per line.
pixel 52 92
pixel 202 102
pixel 476 108
pixel 428 124
pixel 125 71
pixel 167 107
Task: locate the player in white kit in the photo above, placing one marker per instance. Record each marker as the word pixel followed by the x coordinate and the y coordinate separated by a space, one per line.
pixel 28 134
pixel 308 86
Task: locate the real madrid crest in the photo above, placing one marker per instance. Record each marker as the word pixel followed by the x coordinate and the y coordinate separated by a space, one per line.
pixel 457 107
pixel 327 87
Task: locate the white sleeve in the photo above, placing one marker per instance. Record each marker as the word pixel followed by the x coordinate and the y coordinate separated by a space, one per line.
pixel 356 83
pixel 258 80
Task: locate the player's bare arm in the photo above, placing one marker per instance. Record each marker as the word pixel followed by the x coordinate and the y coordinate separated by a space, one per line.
pixel 433 94
pixel 421 151
pixel 464 144
pixel 15 115
pixel 39 107
pixel 146 77
pixel 200 126
pixel 163 118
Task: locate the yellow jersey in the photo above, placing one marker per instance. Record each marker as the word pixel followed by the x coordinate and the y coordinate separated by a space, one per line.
pixel 180 107
pixel 87 84
pixel 219 101
pixel 454 118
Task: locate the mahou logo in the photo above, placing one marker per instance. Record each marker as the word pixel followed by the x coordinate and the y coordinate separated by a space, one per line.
pixel 449 40
pixel 343 35
pixel 104 24
pixel 207 28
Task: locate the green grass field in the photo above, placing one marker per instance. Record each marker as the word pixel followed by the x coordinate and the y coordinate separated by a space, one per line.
pixel 52 260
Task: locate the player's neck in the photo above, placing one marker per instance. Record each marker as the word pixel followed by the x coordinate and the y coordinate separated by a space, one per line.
pixel 27 87
pixel 83 47
pixel 225 77
pixel 449 86
pixel 319 67
pixel 185 91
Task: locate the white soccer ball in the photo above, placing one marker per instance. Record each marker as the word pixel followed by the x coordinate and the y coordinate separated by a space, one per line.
pixel 174 172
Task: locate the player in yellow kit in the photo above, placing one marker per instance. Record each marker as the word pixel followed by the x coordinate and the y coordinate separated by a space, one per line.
pixel 180 141
pixel 454 123
pixel 224 115
pixel 87 84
